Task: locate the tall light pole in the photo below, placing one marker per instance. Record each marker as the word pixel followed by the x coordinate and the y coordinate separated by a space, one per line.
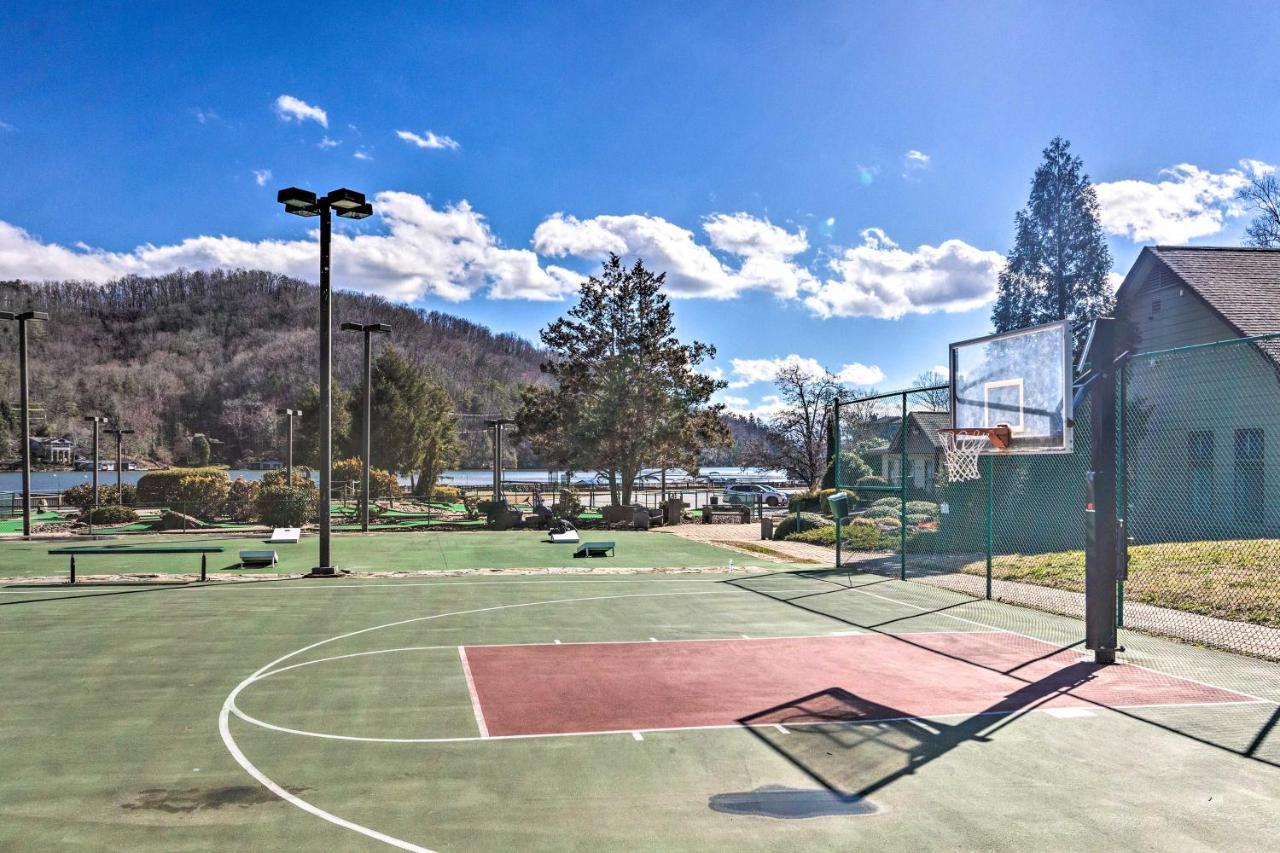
pixel 119 433
pixel 350 205
pixel 97 421
pixel 24 382
pixel 368 330
pixel 290 414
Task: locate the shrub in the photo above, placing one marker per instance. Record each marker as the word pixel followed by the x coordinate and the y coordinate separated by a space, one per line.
pixel 797 522
pixel 568 505
pixel 280 477
pixel 918 518
pixel 893 502
pixel 202 495
pixel 928 508
pixel 888 523
pixel 81 496
pixel 241 502
pixel 870 480
pixel 161 487
pixel 285 506
pixel 855 537
pixel 446 494
pixel 382 484
pixel 883 512
pixel 824 499
pixel 112 514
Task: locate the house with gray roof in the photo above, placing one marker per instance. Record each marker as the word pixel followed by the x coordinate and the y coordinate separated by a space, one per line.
pixel 924 451
pixel 1204 424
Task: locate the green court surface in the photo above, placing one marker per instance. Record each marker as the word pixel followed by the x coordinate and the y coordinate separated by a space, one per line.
pixel 352 715
pixel 371 552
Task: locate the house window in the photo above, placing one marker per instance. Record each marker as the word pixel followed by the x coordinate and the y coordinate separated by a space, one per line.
pixel 1249 475
pixel 1200 472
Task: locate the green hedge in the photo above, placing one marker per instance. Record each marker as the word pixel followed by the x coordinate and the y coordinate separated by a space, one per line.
pixel 855 537
pixel 797 522
pixel 281 506
pixel 161 487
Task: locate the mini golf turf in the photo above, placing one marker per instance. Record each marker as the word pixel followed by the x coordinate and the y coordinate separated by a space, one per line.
pixel 383 551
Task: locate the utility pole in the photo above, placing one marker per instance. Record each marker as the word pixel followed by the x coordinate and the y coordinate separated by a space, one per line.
pixel 290 414
pixel 368 330
pixel 97 421
pixel 24 381
pixel 119 433
pixel 497 424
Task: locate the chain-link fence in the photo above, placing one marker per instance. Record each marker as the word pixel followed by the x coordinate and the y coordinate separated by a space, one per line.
pixel 1199 448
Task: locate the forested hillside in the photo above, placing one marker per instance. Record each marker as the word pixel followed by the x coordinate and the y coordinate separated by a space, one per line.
pixel 218 352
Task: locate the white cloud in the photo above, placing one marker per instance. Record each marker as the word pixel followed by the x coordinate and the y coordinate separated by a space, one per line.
pixel 204 116
pixel 5 126
pixel 913 163
pixel 769 405
pixel 881 279
pixel 362 155
pixel 749 371
pixel 447 253
pixel 326 142
pixel 290 108
pixel 692 269
pixel 262 176
pixel 867 174
pixel 1190 202
pixel 429 140
pixel 860 374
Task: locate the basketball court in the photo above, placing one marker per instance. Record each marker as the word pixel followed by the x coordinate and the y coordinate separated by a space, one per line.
pixel 790 709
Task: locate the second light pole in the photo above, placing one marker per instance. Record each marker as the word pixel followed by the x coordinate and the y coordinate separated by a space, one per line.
pixel 368 330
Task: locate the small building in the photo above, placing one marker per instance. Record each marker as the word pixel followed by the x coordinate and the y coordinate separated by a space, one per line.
pixel 1208 447
pixel 52 451
pixel 924 451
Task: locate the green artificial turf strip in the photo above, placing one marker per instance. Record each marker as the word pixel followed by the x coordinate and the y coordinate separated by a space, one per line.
pixel 382 551
pixel 14 525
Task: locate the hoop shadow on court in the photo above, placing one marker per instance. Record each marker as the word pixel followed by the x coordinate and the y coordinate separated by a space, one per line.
pixel 853 747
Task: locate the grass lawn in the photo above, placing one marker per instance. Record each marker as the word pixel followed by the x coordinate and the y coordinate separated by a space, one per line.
pixel 375 552
pixel 1235 579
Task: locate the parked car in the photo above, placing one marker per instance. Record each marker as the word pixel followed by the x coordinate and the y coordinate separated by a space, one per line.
pixel 750 493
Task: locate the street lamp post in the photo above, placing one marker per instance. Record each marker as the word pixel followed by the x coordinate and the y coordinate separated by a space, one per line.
pixel 497 424
pixel 368 330
pixel 119 433
pixel 97 421
pixel 350 205
pixel 290 414
pixel 25 384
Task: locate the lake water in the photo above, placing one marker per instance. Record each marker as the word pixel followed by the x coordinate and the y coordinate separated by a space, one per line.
pixel 51 481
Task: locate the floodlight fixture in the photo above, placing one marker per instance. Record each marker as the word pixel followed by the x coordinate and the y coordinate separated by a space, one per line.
pixel 345 199
pixel 364 211
pixel 298 201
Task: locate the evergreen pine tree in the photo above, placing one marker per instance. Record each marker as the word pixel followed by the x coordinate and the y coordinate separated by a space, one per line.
pixel 1058 266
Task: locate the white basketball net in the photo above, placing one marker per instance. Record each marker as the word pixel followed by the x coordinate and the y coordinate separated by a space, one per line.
pixel 960 453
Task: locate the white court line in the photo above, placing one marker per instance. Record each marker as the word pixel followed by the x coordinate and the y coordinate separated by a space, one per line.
pixel 780 727
pixel 229 707
pixel 475 697
pixel 637 736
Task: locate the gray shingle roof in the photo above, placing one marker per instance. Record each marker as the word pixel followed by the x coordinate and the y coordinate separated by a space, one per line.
pixel 929 423
pixel 1242 285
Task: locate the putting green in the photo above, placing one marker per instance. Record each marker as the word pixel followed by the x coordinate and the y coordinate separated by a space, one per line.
pixel 382 551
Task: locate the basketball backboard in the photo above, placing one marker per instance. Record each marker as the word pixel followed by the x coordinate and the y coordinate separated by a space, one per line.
pixel 1022 379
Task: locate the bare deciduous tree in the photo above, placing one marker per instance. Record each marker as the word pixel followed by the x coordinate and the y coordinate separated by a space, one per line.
pixel 1263 195
pixel 797 438
pixel 931 397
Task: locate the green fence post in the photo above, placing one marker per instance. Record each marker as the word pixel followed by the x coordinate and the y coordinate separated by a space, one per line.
pixel 1122 484
pixel 902 490
pixel 991 476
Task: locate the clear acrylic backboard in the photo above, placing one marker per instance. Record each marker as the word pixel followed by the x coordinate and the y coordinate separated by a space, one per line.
pixel 1021 379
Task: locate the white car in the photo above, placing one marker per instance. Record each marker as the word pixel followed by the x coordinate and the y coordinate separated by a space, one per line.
pixel 751 493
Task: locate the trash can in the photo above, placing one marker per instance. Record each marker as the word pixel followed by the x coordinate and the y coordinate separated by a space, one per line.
pixel 839 503
pixel 766 529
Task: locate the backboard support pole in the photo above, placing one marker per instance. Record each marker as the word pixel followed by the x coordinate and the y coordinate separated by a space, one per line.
pixel 1103 535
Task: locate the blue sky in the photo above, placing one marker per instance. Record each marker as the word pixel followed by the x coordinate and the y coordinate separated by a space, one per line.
pixel 831 181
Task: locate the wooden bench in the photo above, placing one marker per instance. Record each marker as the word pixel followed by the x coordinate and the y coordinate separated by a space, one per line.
pixel 594 549
pixel 257 558
pixel 87 550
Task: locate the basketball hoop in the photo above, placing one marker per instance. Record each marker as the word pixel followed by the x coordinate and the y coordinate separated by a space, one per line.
pixel 963 445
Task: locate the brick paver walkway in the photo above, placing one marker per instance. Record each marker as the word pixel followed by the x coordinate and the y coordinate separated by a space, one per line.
pixel 735 535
